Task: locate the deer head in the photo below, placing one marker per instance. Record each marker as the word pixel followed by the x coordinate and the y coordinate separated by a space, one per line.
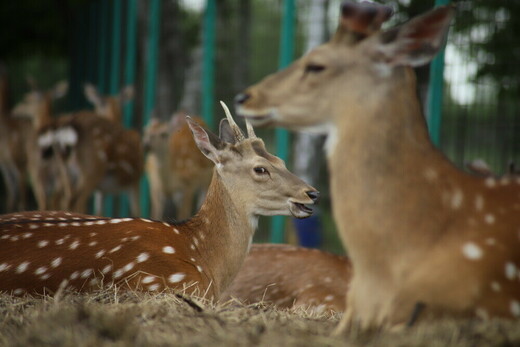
pixel 360 65
pixel 259 180
pixel 109 106
pixel 37 104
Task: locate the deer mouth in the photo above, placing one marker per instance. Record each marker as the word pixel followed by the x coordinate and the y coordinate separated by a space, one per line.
pixel 256 117
pixel 300 210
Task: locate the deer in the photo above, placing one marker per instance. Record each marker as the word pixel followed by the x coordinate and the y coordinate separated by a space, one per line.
pixel 123 154
pixel 290 277
pixel 13 159
pixel 90 152
pixel 426 240
pixel 42 252
pixel 32 145
pixel 109 106
pixel 174 165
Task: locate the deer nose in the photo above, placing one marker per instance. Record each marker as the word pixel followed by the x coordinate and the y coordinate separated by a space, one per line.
pixel 314 195
pixel 241 98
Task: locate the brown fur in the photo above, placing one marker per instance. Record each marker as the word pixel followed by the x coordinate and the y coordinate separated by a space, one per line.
pixel 290 276
pixel 174 165
pixel 41 251
pixel 417 229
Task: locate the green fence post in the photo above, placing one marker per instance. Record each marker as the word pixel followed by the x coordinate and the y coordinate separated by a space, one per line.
pixel 282 136
pixel 130 59
pixel 149 86
pixel 435 91
pixel 208 63
pixel 130 56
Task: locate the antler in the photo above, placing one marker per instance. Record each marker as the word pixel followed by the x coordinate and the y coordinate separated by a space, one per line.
pixel 250 131
pixel 236 130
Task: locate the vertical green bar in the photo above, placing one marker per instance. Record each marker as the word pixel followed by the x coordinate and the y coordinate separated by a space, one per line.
pixel 208 63
pixel 130 56
pixel 435 91
pixel 149 87
pixel 91 54
pixel 102 52
pixel 130 59
pixel 282 136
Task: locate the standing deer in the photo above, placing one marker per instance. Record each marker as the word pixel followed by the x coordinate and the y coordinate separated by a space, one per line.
pixel 174 165
pixel 123 153
pixel 13 158
pixel 290 276
pixel 109 106
pixel 41 251
pixel 420 233
pixel 32 144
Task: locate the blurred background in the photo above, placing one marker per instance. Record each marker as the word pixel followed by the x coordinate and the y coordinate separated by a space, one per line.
pixel 188 54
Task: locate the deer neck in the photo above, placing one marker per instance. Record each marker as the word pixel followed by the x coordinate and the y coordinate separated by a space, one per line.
pixel 44 113
pixel 224 230
pixel 379 175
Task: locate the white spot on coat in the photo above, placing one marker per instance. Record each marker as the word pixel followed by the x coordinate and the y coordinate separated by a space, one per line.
pixel 177 277
pixel 510 271
pixel 22 267
pixel 168 250
pixel 143 257
pixel 472 251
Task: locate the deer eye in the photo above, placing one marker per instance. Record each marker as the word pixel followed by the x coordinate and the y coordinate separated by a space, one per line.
pixel 261 170
pixel 314 68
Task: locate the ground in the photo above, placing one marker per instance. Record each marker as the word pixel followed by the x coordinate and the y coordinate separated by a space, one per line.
pixel 114 318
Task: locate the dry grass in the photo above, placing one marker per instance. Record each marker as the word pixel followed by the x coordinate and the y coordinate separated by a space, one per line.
pixel 112 318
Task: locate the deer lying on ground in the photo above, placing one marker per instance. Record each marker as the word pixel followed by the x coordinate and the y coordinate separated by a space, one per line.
pixel 33 114
pixel 420 233
pixel 174 165
pixel 289 276
pixel 41 251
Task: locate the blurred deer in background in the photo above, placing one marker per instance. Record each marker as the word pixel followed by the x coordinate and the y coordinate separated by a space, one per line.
pixel 174 165
pixel 420 233
pixel 34 114
pixel 123 152
pixel 43 251
pixel 289 276
pixel 13 154
pixel 109 106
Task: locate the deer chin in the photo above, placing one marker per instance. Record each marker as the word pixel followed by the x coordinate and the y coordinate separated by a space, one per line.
pixel 256 117
pixel 300 210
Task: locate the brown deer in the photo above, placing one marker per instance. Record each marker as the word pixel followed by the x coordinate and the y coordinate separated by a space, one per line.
pixel 174 165
pixel 109 106
pixel 13 158
pixel 41 251
pixel 32 144
pixel 290 276
pixel 420 233
pixel 123 151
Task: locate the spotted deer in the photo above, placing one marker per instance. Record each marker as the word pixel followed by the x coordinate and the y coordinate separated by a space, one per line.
pixel 420 233
pixel 29 117
pixel 174 165
pixel 290 276
pixel 109 106
pixel 41 251
pixel 120 149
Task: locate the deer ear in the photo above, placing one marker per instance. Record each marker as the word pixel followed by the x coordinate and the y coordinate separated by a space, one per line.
pixel 92 94
pixel 127 94
pixel 208 143
pixel 60 89
pixel 415 43
pixel 226 133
